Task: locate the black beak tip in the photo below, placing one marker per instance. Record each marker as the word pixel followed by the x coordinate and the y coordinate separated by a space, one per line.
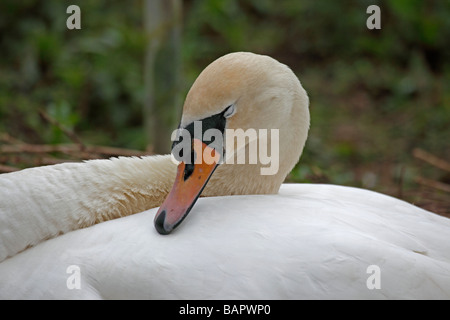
pixel 159 223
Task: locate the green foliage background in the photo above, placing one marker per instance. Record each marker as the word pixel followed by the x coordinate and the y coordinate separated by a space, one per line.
pixel 375 94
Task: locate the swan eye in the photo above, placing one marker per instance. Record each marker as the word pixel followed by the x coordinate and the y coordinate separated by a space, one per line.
pixel 229 111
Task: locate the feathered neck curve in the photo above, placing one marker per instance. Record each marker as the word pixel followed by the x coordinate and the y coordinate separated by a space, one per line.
pixel 40 203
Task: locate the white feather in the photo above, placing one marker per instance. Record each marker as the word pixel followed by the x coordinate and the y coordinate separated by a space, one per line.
pixel 307 242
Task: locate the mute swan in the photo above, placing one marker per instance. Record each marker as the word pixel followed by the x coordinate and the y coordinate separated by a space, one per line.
pixel 307 241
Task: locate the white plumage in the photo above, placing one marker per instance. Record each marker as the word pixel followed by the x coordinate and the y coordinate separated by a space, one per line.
pixel 306 242
pixel 41 203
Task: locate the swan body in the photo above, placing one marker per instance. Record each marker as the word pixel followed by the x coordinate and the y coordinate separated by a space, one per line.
pixel 43 202
pixel 300 241
pixel 307 242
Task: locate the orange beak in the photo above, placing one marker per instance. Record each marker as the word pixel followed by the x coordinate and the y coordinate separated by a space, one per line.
pixel 189 183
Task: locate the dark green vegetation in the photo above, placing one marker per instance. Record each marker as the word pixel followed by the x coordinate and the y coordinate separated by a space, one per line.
pixel 376 95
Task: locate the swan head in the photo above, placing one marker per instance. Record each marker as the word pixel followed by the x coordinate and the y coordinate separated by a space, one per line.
pixel 244 125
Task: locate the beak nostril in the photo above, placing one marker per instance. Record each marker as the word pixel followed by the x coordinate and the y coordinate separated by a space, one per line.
pixel 188 169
